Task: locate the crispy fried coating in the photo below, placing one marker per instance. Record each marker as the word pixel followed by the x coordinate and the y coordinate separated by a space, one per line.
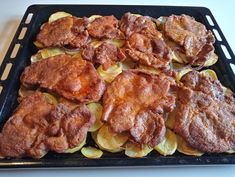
pixel 205 116
pixel 135 102
pixel 72 78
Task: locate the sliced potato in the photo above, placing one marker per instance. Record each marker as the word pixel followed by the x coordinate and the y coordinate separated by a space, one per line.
pixel 94 137
pixel 96 109
pixel 184 148
pixel 137 15
pixel 178 57
pixel 210 73
pixel 46 53
pixel 50 98
pixel 58 15
pixel 181 73
pixel 117 42
pixel 134 150
pixel 231 151
pixel 170 122
pixel 109 140
pixel 211 61
pixel 91 152
pixel 110 74
pixel 93 17
pixel 96 43
pixel 75 149
pixel 169 144
pixel 24 92
pixel 38 44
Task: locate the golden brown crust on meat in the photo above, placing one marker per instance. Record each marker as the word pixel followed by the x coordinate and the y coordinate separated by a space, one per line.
pixel 72 78
pixel 130 95
pixel 37 127
pixel 205 117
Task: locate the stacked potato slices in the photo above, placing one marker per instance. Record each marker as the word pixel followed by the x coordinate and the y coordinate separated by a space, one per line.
pixel 130 74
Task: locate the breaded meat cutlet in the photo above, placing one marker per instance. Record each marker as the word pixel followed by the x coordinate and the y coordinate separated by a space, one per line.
pixel 205 115
pixel 191 36
pixel 65 32
pixel 144 43
pixel 136 102
pixel 37 127
pixel 73 78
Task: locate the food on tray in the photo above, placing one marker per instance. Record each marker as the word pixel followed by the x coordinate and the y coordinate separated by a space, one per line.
pixel 144 43
pixel 73 78
pixel 91 152
pixel 130 83
pixel 136 102
pixel 205 116
pixel 190 40
pixel 65 32
pixel 38 126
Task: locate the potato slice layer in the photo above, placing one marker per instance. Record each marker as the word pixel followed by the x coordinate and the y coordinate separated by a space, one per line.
pixel 91 152
pixel 96 109
pixel 135 151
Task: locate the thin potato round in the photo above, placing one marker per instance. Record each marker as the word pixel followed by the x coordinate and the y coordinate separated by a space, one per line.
pixel 50 98
pixel 211 73
pixel 211 61
pixel 75 149
pixel 117 42
pixel 94 137
pixel 91 152
pixel 24 92
pixel 38 44
pixel 110 140
pixel 110 74
pixel 58 15
pixel 96 43
pixel 93 17
pixel 135 151
pixel 185 148
pixel 169 144
pixel 231 151
pixel 181 73
pixel 96 109
pixel 170 122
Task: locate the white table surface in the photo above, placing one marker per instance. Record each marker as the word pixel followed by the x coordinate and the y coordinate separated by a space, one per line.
pixel 11 13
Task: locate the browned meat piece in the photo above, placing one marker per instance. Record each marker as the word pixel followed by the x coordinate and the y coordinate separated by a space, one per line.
pixel 196 41
pixel 72 78
pixel 205 117
pixel 67 31
pixel 130 24
pixel 108 54
pixel 35 125
pixel 135 102
pixel 105 27
pixel 148 51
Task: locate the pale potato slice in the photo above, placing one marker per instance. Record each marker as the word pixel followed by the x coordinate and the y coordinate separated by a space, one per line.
pixel 209 72
pixel 231 151
pixel 38 44
pixel 211 61
pixel 135 151
pixel 96 109
pixel 46 53
pixel 94 137
pixel 91 152
pixel 58 15
pixel 178 57
pixel 117 42
pixel 137 15
pixel 110 74
pixel 184 148
pixel 75 149
pixel 23 92
pixel 93 17
pixel 181 73
pixel 109 140
pixel 72 52
pixel 169 144
pixel 170 122
pixel 50 98
pixel 96 43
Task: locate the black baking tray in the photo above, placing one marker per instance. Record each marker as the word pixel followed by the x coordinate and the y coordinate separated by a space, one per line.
pixel 10 86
